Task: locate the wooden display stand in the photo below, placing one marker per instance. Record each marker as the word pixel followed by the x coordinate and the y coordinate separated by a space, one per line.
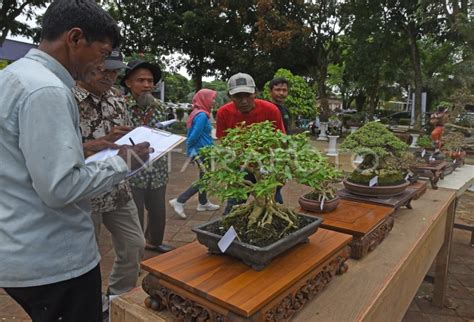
pixel 403 199
pixel 433 171
pixel 197 286
pixel 420 187
pixel 368 224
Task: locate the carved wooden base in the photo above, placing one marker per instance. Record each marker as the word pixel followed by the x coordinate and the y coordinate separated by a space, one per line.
pixel 420 187
pixel 402 200
pixel 434 171
pixel 361 246
pixel 233 292
pixel 368 224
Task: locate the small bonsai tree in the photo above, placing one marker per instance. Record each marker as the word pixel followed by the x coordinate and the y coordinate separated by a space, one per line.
pixel 334 125
pixel 273 158
pixel 452 145
pixel 322 181
pixel 384 155
pixel 424 142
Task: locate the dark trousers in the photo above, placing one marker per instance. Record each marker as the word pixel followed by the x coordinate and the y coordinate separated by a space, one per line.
pixel 154 202
pixel 78 299
pixel 250 177
pixel 193 189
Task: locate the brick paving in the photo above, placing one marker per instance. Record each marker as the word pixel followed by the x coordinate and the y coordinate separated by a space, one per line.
pixel 460 291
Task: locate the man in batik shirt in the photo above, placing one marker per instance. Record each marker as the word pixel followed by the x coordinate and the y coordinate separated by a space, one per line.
pixel 149 185
pixel 103 121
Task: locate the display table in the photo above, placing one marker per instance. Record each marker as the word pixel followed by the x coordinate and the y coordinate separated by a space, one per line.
pixel 434 171
pixel 461 179
pixel 381 286
pixel 367 223
pixel 193 284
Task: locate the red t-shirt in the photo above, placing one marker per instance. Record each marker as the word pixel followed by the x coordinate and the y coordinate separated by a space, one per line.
pixel 228 116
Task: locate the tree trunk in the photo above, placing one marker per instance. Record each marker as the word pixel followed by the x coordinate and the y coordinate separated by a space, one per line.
pixel 197 78
pixel 360 101
pixel 373 97
pixel 416 62
pixel 3 36
pixel 322 91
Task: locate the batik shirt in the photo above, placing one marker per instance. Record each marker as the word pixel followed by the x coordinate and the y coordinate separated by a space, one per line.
pixel 98 116
pixel 156 175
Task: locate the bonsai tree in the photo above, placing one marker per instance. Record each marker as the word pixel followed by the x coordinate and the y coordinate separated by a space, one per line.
pixel 384 155
pixel 322 181
pixel 452 144
pixel 273 158
pixel 424 142
pixel 334 125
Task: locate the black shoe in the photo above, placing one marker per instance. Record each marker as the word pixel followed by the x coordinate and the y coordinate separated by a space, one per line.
pixel 163 248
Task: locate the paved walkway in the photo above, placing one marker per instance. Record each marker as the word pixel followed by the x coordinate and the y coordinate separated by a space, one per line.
pixel 178 233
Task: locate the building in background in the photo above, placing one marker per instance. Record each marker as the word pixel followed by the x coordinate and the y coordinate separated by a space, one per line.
pixel 12 50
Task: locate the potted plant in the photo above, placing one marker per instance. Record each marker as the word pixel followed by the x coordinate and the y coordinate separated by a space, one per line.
pixel 384 166
pixel 321 179
pixel 264 227
pixel 334 129
pixel 452 144
pixel 426 153
pixel 355 121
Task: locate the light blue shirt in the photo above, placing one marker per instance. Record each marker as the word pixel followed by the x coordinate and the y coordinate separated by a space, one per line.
pixel 46 232
pixel 199 135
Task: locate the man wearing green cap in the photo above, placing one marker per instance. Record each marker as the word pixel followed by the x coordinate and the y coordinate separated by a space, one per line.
pixel 149 185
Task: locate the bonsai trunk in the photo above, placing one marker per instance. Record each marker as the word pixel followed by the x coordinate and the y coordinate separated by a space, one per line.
pixel 261 214
pixel 416 62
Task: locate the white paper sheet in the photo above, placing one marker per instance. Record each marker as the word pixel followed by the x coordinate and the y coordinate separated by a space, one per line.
pixel 161 141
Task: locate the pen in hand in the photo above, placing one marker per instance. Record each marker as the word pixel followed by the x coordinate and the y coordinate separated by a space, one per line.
pixel 131 141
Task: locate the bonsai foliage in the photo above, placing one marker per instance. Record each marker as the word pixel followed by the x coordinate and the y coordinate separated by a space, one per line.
pixel 384 155
pixel 453 141
pixel 272 158
pixel 424 142
pixel 334 125
pixel 301 99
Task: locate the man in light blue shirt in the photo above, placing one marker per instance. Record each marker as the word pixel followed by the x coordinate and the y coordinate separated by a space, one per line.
pixel 48 253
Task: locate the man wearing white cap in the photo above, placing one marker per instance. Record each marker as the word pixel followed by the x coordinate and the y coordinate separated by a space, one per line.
pixel 244 107
pixel 103 121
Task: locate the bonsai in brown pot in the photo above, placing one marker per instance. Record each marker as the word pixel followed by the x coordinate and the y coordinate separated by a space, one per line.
pixel 321 179
pixel 385 161
pixel 452 145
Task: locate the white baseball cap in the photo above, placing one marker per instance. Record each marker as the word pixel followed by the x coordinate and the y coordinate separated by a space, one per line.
pixel 241 83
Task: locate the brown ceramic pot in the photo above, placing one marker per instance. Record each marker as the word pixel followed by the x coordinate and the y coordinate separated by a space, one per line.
pixel 315 206
pixel 375 191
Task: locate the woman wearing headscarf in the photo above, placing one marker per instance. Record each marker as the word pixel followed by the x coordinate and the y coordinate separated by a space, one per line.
pixel 199 136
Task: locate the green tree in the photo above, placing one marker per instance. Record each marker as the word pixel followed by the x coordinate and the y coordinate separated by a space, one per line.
pixel 314 27
pixel 301 98
pixel 9 12
pixel 177 87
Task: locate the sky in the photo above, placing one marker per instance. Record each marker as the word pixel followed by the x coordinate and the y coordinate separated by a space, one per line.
pixel 181 70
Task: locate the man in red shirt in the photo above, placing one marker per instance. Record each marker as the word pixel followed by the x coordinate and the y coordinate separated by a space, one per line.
pixel 244 107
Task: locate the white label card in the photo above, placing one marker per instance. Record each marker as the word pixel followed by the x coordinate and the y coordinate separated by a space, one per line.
pixel 322 203
pixel 374 181
pixel 227 239
pixel 423 153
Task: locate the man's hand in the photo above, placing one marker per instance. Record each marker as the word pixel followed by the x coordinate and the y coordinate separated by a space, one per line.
pixel 94 146
pixel 117 132
pixel 135 156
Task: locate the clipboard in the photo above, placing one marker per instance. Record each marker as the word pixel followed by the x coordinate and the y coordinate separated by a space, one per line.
pixel 161 141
